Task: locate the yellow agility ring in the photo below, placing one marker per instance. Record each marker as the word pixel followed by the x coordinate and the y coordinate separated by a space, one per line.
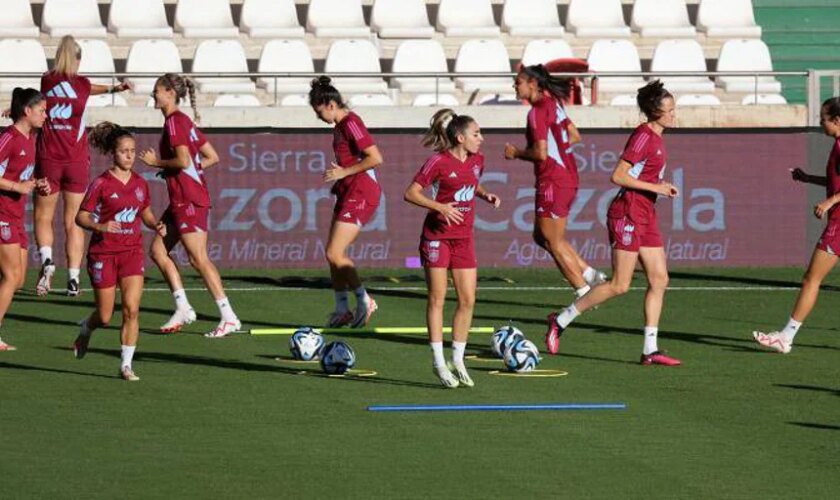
pixel 293 360
pixel 531 374
pixel 484 359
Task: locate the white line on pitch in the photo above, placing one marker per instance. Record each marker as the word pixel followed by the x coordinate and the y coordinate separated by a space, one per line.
pixel 495 288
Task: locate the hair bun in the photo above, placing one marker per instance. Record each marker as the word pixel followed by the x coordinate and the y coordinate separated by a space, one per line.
pixel 321 81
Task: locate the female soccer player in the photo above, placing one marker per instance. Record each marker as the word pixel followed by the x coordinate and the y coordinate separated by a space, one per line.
pixel 357 195
pixel 64 159
pixel 184 155
pixel 110 211
pixel 551 134
pixel 17 156
pixel 447 239
pixel 632 225
pixel 825 254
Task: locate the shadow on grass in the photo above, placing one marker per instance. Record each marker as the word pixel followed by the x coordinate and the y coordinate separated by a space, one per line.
pixel 815 388
pixel 15 366
pixel 825 427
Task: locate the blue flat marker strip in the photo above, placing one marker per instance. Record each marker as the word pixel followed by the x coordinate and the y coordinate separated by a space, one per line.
pixel 534 407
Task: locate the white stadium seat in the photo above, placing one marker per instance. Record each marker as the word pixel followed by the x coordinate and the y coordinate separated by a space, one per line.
pixel 295 100
pixel 107 101
pixel 152 56
pixel 746 55
pixel 727 19
pixel 355 56
pixel 236 101
pixel 138 19
pixel 285 56
pixel 205 19
pixel 623 100
pixel 616 56
pixel 543 51
pixel 370 100
pixel 662 18
pixel 421 56
pixel 698 100
pixel 97 58
pixel 597 18
pixel 337 19
pixel 499 100
pixel 222 56
pixel 488 56
pixel 21 56
pixel 401 19
pixel 532 18
pixel 182 103
pixel 679 56
pixel 435 100
pixel 16 21
pixel 763 99
pixel 79 18
pixel 270 19
pixel 472 18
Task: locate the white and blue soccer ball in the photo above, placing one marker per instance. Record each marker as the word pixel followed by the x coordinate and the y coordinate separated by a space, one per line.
pixel 522 356
pixel 337 357
pixel 503 338
pixel 306 344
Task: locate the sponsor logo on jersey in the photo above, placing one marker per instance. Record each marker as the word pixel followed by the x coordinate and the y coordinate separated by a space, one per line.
pixel 22 152
pixel 63 89
pixel 466 193
pixel 126 215
pixel 115 196
pixel 61 111
pixel 346 215
pixel 453 175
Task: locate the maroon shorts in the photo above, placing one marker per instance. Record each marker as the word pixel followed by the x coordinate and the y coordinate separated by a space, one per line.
pixel 354 209
pixel 187 218
pixel 107 269
pixel 553 201
pixel 70 177
pixel 629 236
pixel 830 240
pixel 448 254
pixel 12 232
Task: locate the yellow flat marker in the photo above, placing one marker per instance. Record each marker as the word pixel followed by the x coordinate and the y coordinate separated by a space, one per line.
pixel 384 330
pixel 349 374
pixel 531 374
pixel 484 359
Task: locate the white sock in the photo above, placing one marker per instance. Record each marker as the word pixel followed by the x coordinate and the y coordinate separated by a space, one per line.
pixel 225 310
pixel 361 295
pixel 46 253
pixel 73 274
pixel 580 292
pixel 342 300
pixel 126 355
pixel 181 301
pixel 458 352
pixel 650 347
pixel 790 329
pixel 437 352
pixel 567 315
pixel 589 274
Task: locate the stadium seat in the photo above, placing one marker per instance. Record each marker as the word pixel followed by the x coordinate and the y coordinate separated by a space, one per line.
pixel 746 55
pixel 727 19
pixel 337 19
pixel 152 56
pixel 753 99
pixel 205 19
pixel 370 100
pixel 532 18
pixel 107 101
pixel 285 56
pixel 662 18
pixel 473 18
pixel 499 100
pixel 79 18
pixel 597 19
pixel 355 56
pixel 97 58
pixel 435 100
pixel 222 56
pixel 698 100
pixel 236 101
pixel 488 56
pixel 421 56
pixel 401 19
pixel 295 100
pixel 542 51
pixel 138 19
pixel 678 56
pixel 16 21
pixel 616 56
pixel 270 19
pixel 21 56
pixel 183 103
pixel 623 100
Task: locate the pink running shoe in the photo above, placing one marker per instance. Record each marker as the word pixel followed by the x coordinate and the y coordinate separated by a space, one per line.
pixel 552 336
pixel 363 314
pixel 339 319
pixel 659 358
pixel 6 347
pixel 773 340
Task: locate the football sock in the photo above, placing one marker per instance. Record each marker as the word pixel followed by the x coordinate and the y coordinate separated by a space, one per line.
pixel 73 275
pixel 458 352
pixel 567 315
pixel 126 355
pixel 580 292
pixel 589 274
pixel 225 310
pixel 790 329
pixel 46 254
pixel 342 300
pixel 361 294
pixel 181 301
pixel 437 352
pixel 650 347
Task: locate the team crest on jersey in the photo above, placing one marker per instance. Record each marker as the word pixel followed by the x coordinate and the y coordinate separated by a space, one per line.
pixel 476 171
pixel 97 271
pixel 433 248
pixel 627 236
pixel 5 231
pixel 140 194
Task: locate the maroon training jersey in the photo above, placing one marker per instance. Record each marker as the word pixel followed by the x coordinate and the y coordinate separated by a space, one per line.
pixel 187 185
pixel 832 177
pixel 548 121
pixel 108 199
pixel 63 137
pixel 452 181
pixel 645 150
pixel 350 139
pixel 17 163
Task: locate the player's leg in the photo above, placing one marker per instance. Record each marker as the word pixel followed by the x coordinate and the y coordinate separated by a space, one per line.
pixel 75 240
pixel 341 315
pixel 465 281
pixel 9 278
pixel 656 269
pixel 44 213
pixel 436 284
pixel 131 289
pixel 24 263
pixel 160 252
pixel 551 234
pixel 98 318
pixel 342 235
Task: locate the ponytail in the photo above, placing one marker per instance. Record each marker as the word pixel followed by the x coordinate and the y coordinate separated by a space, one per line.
pixel 323 92
pixel 182 87
pixel 444 128
pixel 650 97
pixel 559 87
pixel 22 99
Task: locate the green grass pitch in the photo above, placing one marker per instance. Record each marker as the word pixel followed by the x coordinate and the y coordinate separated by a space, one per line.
pixel 225 419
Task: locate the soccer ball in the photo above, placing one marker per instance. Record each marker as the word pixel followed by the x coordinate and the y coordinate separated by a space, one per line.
pixel 306 343
pixel 337 357
pixel 522 356
pixel 503 338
